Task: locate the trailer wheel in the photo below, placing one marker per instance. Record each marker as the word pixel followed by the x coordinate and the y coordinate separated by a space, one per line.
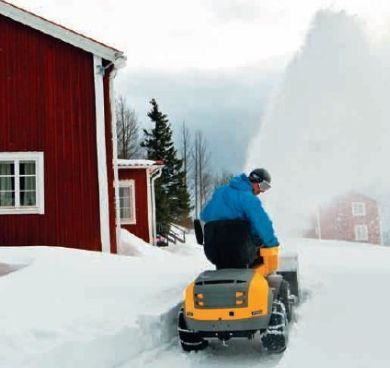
pixel 190 340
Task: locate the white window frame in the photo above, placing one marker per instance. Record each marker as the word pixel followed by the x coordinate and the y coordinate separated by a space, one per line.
pixel 361 233
pixel 38 158
pixel 131 185
pixel 358 209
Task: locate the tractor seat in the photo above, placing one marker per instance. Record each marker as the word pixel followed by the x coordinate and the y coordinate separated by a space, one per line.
pixel 229 244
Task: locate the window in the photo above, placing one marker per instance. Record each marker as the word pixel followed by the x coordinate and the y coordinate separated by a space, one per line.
pixel 21 183
pixel 127 202
pixel 358 209
pixel 361 233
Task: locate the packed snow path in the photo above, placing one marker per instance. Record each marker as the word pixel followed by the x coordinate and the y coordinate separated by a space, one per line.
pixel 342 320
pixel 68 308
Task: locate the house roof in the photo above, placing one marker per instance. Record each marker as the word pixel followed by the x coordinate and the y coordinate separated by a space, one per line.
pixel 139 164
pixel 60 32
pixel 353 194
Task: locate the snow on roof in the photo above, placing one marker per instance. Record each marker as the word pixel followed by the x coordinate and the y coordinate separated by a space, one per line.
pixel 60 32
pixel 122 164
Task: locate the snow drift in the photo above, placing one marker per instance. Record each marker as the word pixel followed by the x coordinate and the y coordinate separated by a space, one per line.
pixel 71 308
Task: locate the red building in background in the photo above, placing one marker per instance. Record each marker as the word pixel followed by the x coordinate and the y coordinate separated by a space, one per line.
pixel 351 217
pixel 58 173
pixel 136 197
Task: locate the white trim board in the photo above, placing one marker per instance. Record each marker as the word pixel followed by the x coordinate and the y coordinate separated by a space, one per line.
pixel 102 157
pixel 45 26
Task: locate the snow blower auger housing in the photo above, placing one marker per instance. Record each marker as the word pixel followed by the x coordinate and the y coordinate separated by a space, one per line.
pixel 242 297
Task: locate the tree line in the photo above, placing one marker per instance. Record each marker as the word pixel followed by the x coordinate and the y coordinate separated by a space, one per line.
pixel 187 179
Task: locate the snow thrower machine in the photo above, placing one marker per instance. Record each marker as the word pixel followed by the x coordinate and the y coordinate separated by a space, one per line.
pixel 252 292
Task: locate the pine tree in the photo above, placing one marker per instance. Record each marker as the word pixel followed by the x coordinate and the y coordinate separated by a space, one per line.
pixel 172 197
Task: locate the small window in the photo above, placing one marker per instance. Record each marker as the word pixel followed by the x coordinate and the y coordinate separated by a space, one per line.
pixel 361 233
pixel 358 209
pixel 21 183
pixel 127 202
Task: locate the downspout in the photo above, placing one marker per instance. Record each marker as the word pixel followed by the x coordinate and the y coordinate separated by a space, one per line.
pixel 379 207
pixel 153 179
pixel 318 218
pixel 114 158
pixel 119 63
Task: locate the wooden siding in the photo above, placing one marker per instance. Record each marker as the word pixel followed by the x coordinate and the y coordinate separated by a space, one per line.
pixel 47 103
pixel 141 228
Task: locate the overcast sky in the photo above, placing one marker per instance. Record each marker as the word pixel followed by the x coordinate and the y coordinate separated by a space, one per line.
pixel 211 63
pixel 202 34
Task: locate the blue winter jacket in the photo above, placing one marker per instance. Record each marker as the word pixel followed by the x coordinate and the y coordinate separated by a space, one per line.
pixel 237 201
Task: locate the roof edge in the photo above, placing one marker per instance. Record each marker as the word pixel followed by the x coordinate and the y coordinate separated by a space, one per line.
pixel 62 33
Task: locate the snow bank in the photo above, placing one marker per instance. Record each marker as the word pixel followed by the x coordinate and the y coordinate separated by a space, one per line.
pixel 130 245
pixel 13 264
pixel 71 308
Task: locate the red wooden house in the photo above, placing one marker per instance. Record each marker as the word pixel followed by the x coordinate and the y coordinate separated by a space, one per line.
pixel 351 217
pixel 58 169
pixel 136 197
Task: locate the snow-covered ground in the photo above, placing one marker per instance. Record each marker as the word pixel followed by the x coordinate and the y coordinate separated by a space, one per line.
pixel 66 308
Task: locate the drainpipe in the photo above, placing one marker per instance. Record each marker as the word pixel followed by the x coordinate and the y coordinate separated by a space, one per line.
pixel 120 62
pixel 155 176
pixel 318 216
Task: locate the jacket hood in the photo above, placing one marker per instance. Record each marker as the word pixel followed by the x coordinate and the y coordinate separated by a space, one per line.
pixel 241 182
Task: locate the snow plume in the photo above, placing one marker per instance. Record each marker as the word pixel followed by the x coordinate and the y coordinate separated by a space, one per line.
pixel 326 130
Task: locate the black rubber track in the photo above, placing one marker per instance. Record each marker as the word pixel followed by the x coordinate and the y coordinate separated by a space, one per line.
pixel 189 340
pixel 285 297
pixel 275 338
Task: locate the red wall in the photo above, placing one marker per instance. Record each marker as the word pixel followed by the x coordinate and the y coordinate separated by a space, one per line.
pixel 337 221
pixel 47 103
pixel 141 228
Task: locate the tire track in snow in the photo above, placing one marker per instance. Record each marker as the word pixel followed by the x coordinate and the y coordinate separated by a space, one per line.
pixel 165 351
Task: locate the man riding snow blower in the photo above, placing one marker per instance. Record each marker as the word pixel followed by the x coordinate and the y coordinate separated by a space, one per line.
pixel 244 295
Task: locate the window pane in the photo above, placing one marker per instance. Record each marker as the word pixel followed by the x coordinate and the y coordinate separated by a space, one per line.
pixel 126 201
pixel 7 183
pixel 358 209
pixel 124 192
pixel 27 168
pixel 126 213
pixel 28 183
pixel 7 199
pixel 28 198
pixel 7 168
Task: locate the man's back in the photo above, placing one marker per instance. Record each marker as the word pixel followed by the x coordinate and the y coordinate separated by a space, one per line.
pixel 237 201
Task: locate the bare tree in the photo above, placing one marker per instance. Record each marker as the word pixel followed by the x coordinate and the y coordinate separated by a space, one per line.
pixel 222 178
pixel 128 129
pixel 186 149
pixel 202 177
